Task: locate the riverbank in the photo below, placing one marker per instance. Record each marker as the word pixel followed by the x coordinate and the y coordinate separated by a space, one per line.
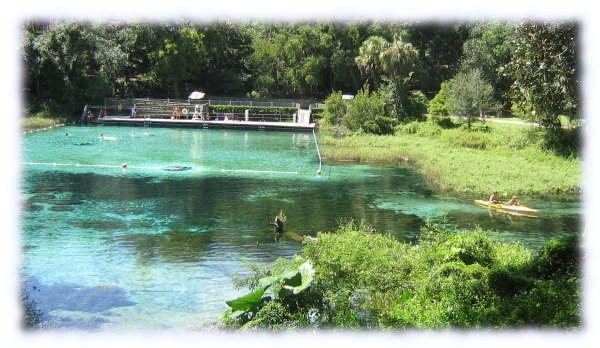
pixel 501 157
pixel 40 122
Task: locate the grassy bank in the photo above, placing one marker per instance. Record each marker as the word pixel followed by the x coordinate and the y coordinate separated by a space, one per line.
pixel 501 157
pixel 41 120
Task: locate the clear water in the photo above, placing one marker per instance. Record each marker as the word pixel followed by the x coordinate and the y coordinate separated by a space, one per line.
pixel 155 245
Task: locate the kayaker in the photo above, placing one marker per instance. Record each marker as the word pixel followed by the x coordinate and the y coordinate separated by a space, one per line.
pixel 513 201
pixel 494 198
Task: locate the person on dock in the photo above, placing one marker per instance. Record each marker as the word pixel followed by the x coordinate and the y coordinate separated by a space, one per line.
pixel 513 201
pixel 176 113
pixel 494 198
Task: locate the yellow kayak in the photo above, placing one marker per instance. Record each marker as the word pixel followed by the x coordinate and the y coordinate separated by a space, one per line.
pixel 518 210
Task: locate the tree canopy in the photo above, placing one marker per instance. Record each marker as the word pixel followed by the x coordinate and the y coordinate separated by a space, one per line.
pixel 532 65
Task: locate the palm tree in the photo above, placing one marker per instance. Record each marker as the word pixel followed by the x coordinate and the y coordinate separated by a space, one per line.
pixel 369 58
pixel 377 57
pixel 398 60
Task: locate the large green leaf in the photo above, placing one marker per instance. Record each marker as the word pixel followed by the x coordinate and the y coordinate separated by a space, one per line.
pixel 308 272
pixel 265 282
pixel 294 280
pixel 247 302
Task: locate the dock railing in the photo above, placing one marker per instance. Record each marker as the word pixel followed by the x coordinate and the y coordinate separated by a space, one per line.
pixel 152 108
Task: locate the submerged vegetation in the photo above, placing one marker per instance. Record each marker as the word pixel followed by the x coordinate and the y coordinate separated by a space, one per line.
pixel 353 278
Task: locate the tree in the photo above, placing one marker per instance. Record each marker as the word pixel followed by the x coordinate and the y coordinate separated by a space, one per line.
pixel 440 48
pixel 544 69
pixel 439 104
pixel 369 59
pixel 64 65
pixel 390 64
pixel 366 112
pixel 178 62
pixel 469 94
pixel 292 60
pixel 114 44
pixel 487 49
pixel 334 109
pixel 228 50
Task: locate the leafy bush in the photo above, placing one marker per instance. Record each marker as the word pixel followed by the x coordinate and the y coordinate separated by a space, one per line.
pixel 424 129
pixel 449 279
pixel 563 142
pixel 282 285
pixel 339 131
pixel 454 295
pixel 444 122
pixel 470 95
pixel 267 110
pixel 416 107
pixel 380 125
pixel 334 109
pixel 317 112
pixel 559 258
pixel 364 107
pixel 439 104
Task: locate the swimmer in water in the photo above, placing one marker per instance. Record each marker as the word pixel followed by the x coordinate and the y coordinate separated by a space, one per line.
pixel 103 137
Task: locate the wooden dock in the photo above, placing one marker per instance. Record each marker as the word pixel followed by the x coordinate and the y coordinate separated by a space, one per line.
pixel 197 123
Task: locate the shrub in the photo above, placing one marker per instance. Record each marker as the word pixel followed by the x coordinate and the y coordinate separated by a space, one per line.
pixel 334 109
pixel 439 104
pixel 469 94
pixel 559 258
pixel 264 110
pixel 380 125
pixel 563 142
pixel 416 106
pixel 445 122
pixel 424 129
pixel 364 107
pixel 449 279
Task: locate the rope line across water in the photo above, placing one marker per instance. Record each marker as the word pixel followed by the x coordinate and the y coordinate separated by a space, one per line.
pixel 124 166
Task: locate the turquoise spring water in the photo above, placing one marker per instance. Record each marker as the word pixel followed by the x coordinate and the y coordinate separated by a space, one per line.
pixel 155 245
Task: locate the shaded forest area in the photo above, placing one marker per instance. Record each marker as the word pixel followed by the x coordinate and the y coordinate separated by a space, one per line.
pixel 68 63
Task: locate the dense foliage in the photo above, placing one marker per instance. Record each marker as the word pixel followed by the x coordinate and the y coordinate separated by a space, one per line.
pixel 469 95
pixel 354 278
pixel 530 66
pixel 70 63
pixel 545 75
pixel 439 104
